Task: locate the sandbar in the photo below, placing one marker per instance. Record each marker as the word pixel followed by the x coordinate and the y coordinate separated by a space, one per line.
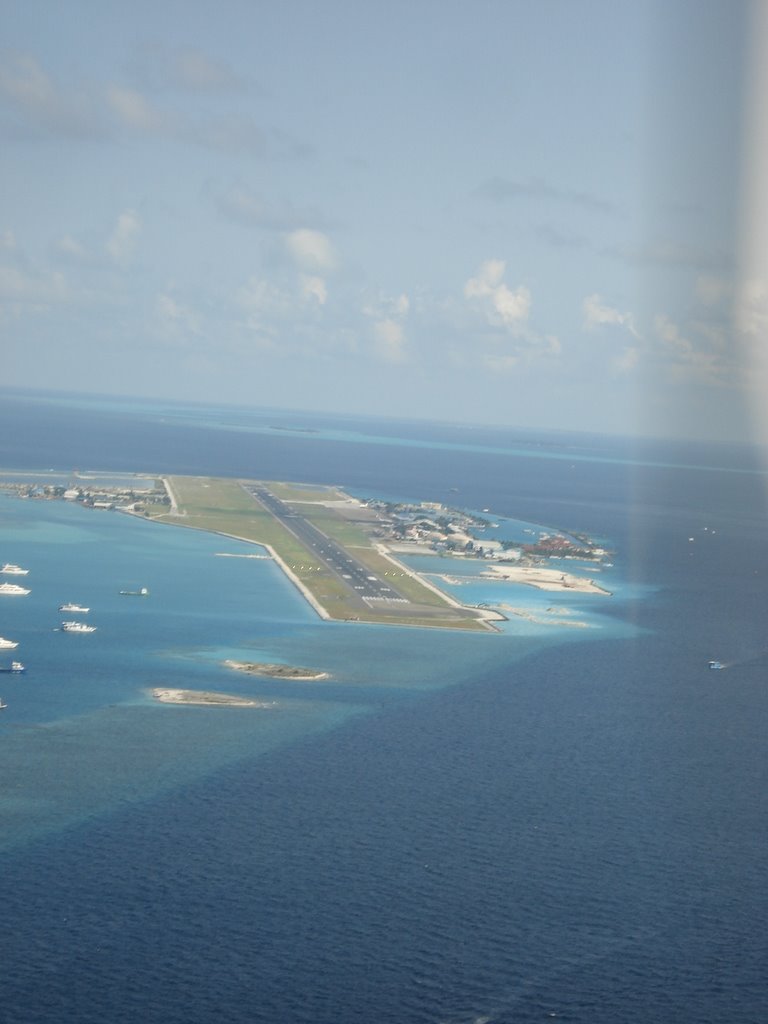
pixel 276 671
pixel 209 698
pixel 545 579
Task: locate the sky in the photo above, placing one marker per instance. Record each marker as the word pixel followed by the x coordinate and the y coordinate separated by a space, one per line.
pixel 515 213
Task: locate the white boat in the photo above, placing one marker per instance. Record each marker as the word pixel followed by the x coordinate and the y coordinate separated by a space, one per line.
pixel 16 667
pixel 13 570
pixel 2 706
pixel 77 627
pixel 8 645
pixel 13 590
pixel 141 592
pixel 70 607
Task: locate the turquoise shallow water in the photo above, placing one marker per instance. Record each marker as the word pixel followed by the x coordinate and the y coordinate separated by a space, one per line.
pixel 82 734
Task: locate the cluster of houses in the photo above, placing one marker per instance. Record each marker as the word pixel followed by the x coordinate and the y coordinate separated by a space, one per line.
pixel 434 526
pixel 124 499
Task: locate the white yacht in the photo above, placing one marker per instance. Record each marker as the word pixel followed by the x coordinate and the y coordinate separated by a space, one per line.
pixel 70 607
pixel 13 590
pixel 13 570
pixel 77 627
pixel 8 645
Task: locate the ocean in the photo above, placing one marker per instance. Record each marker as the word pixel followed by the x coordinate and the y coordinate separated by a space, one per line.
pixel 548 823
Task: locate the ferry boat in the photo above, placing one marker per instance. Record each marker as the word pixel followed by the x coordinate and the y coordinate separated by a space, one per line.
pixel 77 627
pixel 13 590
pixel 16 667
pixel 13 570
pixel 8 645
pixel 70 607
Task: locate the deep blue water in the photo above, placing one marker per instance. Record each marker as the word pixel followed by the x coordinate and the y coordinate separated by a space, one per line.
pixel 455 829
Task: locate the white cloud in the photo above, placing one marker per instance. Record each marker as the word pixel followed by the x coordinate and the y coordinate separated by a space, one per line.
pixel 751 310
pixel 598 314
pixel 402 305
pixel 313 288
pixel 502 306
pixel 174 319
pixel 312 251
pixel 23 80
pixel 382 306
pixel 507 312
pixel 628 360
pixel 264 307
pixel 670 334
pixel 43 107
pixel 523 354
pixel 159 68
pixel 28 291
pixel 512 306
pixel 72 249
pixel 689 358
pixel 25 287
pixel 389 339
pixel 488 277
pixel 315 257
pixel 15 283
pixel 260 296
pixel 122 242
pixel 134 111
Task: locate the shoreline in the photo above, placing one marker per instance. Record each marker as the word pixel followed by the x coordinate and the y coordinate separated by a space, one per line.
pixel 544 579
pixel 553 619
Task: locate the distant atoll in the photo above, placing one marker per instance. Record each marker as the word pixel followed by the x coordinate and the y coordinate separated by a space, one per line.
pixel 276 671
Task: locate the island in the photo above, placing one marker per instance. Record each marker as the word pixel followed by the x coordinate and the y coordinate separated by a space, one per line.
pixel 208 698
pixel 276 671
pixel 347 555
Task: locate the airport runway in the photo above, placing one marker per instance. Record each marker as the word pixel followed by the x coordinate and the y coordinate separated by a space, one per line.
pixel 359 579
